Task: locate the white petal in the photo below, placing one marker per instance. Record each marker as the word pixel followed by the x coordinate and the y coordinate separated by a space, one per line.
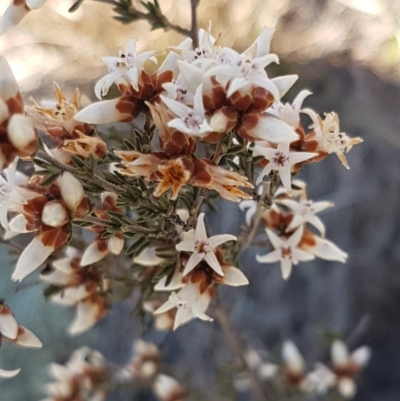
pixel 64 264
pixel 317 223
pixel 59 372
pixel 298 157
pixel 31 258
pixel 273 130
pixel 115 244
pixel 361 356
pixel 270 257
pixel 326 250
pixel 296 222
pixel 7 374
pixel 217 240
pixel 237 84
pixel 103 112
pixel 183 315
pixel 298 101
pixel 201 234
pixel 286 267
pixel 186 246
pixel 86 317
pixel 18 224
pixel 198 101
pixel 93 254
pixel 295 238
pixel 71 191
pixel 28 339
pixel 285 176
pixel 54 214
pixel 12 16
pixel 212 261
pixel 8 324
pixel 284 83
pixel 234 277
pixel 339 353
pixel 276 241
pixel 8 84
pixel 191 75
pixel 193 261
pixel 302 256
pixel 178 108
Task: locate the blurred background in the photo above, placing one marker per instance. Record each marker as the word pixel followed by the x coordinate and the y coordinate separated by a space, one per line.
pixel 347 52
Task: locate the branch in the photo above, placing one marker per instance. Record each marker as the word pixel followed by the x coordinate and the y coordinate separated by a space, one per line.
pixel 264 203
pixel 193 30
pixel 237 348
pixel 86 176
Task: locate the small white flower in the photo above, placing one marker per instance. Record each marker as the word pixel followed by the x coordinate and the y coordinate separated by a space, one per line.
pixel 305 212
pixel 191 121
pixel 281 160
pixel 125 68
pixel 286 251
pixel 190 304
pixel 202 248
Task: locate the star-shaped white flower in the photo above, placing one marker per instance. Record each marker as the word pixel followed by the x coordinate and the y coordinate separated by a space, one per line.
pixel 286 251
pixel 281 160
pixel 202 248
pixel 125 68
pixel 305 212
pixel 191 121
pixel 245 70
pixel 190 304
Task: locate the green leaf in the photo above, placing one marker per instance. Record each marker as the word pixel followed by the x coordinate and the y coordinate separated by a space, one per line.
pixel 50 180
pixel 137 247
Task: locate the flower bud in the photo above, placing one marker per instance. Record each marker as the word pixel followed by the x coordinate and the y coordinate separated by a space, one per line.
pixel 71 191
pixel 54 214
pixel 21 132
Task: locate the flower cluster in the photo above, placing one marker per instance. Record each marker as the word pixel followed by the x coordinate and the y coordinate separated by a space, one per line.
pixel 88 376
pixel 204 123
pixel 292 372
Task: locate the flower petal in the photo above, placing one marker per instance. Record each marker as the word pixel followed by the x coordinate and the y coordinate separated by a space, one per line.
pixel 217 240
pixel 93 254
pixel 86 316
pixel 31 258
pixel 7 374
pixel 8 324
pixel 193 261
pixel 26 338
pixel 234 277
pixel 103 112
pixel 270 257
pixel 213 262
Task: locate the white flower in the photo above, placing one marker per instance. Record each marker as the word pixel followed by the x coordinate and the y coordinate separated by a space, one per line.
pixel 190 304
pixel 9 373
pixel 281 160
pixel 330 140
pixel 191 121
pixel 320 380
pixel 244 71
pixel 124 69
pixel 202 248
pixel 286 251
pixel 289 113
pixel 346 366
pixel 305 212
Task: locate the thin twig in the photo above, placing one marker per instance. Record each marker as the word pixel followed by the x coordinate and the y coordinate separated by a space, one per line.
pixel 84 176
pixel 264 203
pixel 237 348
pixel 193 30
